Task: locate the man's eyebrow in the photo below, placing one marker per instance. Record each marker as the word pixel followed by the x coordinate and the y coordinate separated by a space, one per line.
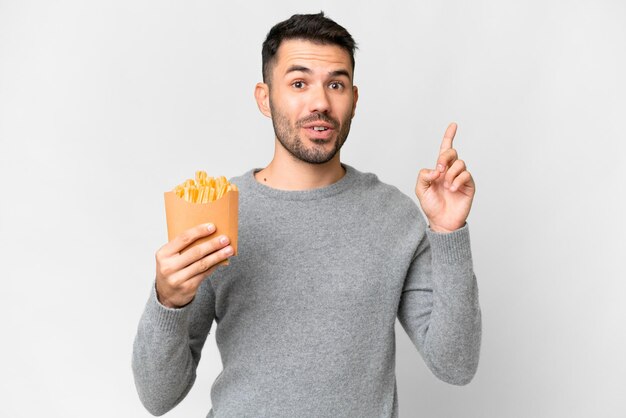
pixel 337 73
pixel 298 68
pixel 307 70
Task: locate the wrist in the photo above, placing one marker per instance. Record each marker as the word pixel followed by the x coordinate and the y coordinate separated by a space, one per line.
pixel 444 230
pixel 167 302
pixel 439 229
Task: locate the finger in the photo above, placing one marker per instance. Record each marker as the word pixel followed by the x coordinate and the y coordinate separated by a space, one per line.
pixel 203 265
pixel 457 168
pixel 448 137
pixel 425 179
pixel 446 159
pixel 462 180
pixel 187 237
pixel 199 251
pixel 195 281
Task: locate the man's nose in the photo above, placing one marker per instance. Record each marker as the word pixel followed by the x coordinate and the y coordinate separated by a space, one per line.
pixel 319 100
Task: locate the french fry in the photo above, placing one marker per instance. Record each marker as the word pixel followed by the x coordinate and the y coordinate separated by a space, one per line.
pixel 204 189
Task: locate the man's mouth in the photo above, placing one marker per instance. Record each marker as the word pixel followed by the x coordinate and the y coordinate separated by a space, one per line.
pixel 319 130
pixel 319 126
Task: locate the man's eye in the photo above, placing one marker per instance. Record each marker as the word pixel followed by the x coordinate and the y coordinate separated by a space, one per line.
pixel 298 84
pixel 336 85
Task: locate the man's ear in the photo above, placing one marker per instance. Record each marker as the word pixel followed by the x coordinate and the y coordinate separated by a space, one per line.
pixel 355 91
pixel 262 96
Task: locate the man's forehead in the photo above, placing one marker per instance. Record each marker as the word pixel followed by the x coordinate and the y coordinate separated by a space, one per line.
pixel 298 52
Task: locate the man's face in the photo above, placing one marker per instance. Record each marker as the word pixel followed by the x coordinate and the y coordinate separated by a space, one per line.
pixel 312 99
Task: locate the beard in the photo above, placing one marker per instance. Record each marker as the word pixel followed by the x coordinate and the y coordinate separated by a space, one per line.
pixel 288 136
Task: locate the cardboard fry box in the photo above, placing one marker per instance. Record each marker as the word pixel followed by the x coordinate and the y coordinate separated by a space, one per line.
pixel 223 213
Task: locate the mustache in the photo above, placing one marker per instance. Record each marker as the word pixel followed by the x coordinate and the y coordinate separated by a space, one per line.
pixel 318 117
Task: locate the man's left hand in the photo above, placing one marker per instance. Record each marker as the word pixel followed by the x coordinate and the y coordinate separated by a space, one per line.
pixel 446 193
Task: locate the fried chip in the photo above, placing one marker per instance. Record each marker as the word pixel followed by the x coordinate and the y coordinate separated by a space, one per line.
pixel 203 189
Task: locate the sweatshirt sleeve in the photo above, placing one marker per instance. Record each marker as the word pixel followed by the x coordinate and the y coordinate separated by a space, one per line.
pixel 439 307
pixel 167 349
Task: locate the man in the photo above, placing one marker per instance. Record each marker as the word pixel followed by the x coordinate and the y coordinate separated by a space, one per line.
pixel 328 258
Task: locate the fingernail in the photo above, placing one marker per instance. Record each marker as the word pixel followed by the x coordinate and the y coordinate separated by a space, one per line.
pixel 223 239
pixel 453 188
pixel 228 250
pixel 210 227
pixel 440 167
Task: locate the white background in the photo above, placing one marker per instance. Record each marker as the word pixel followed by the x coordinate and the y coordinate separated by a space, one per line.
pixel 106 105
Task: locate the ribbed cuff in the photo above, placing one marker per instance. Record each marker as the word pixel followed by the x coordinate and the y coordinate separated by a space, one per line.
pixel 451 247
pixel 169 320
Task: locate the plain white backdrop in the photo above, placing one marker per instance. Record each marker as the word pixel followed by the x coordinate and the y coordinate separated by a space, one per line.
pixel 106 105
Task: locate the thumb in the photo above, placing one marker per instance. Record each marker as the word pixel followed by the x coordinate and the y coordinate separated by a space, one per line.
pixel 424 180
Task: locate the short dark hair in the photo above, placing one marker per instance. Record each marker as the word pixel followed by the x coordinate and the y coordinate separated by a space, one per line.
pixel 311 27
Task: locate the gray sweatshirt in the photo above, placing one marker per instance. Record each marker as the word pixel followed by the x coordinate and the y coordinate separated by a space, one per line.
pixel 304 314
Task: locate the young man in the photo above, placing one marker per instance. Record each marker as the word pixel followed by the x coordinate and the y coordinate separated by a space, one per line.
pixel 328 258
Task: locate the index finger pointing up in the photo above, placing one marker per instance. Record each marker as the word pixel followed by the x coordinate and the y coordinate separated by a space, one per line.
pixel 446 144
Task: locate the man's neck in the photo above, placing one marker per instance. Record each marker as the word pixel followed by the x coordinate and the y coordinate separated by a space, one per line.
pixel 286 172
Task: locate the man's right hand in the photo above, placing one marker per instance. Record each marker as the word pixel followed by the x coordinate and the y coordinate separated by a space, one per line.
pixel 179 273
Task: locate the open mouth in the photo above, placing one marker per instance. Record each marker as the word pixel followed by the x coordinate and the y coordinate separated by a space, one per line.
pixel 319 132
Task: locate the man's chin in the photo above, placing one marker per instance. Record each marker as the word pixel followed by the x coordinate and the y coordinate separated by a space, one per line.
pixel 313 156
pixel 323 142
